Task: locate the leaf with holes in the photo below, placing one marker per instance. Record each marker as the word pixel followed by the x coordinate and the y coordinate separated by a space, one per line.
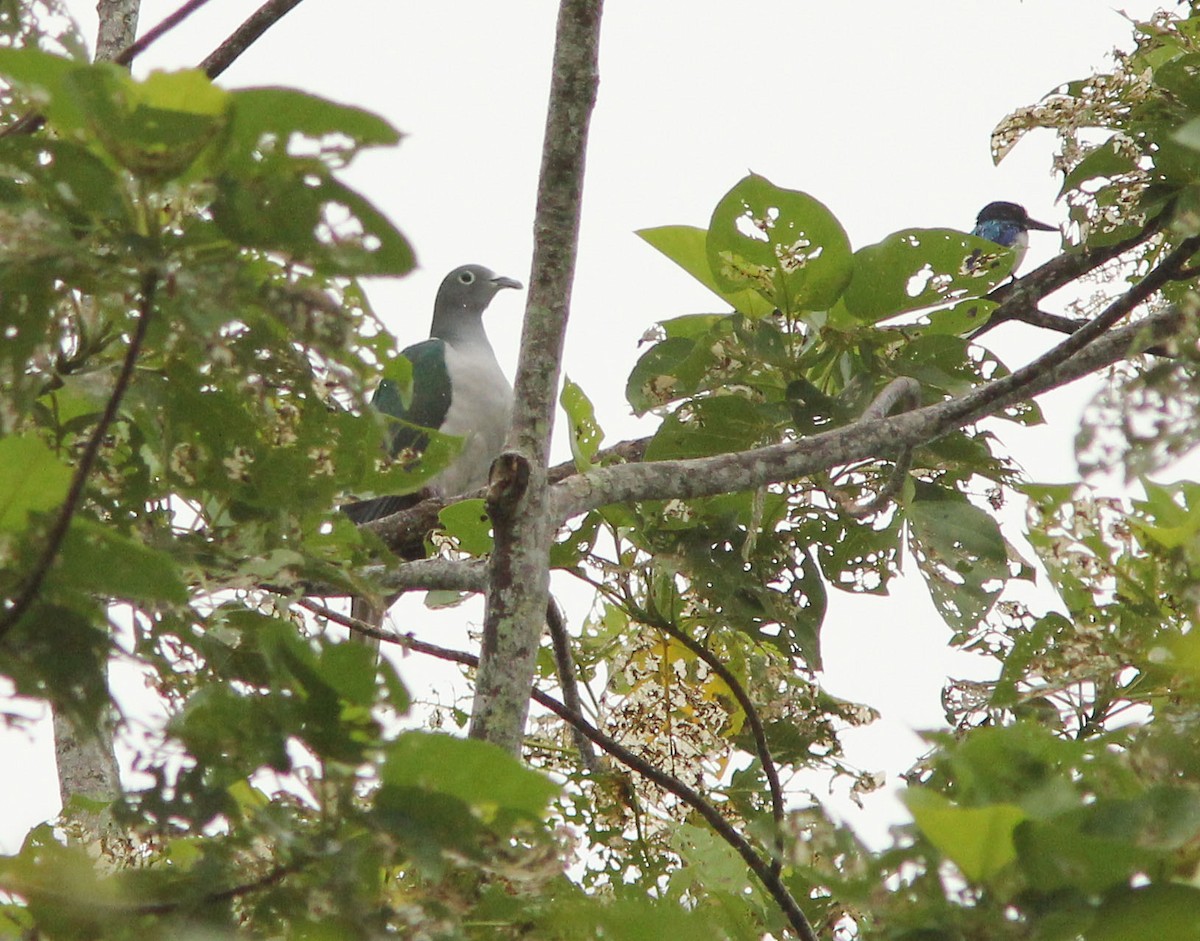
pixel 780 243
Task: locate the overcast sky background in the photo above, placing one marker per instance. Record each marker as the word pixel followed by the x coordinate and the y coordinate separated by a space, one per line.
pixel 881 110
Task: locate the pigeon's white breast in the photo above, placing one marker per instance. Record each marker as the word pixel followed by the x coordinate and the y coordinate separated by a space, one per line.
pixel 480 413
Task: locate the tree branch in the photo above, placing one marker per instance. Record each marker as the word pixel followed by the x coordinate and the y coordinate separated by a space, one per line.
pixel 724 473
pixel 118 21
pixel 246 35
pixel 518 570
pixel 404 532
pixel 1019 297
pixel 131 50
pixel 58 532
pixel 766 874
pixel 564 664
pixel 761 747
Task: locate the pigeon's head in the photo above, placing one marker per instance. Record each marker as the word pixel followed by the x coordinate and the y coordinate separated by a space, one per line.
pixel 470 289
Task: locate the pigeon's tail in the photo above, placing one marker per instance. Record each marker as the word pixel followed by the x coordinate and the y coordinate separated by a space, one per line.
pixel 367 511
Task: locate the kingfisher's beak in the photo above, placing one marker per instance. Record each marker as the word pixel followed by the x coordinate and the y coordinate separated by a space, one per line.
pixel 502 282
pixel 1034 224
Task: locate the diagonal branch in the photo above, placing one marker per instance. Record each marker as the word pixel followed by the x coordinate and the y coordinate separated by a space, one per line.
pixel 58 532
pixel 518 496
pixel 1018 298
pixel 1079 355
pixel 246 35
pixel 135 49
pixel 768 875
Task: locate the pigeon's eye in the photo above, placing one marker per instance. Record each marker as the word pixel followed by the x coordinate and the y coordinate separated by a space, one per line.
pixel 466 277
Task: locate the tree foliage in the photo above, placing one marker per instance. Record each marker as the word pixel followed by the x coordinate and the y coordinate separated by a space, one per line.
pixel 186 354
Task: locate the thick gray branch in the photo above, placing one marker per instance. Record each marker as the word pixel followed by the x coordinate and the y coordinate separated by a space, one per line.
pixel 746 470
pixel 518 570
pixel 118 27
pixel 431 575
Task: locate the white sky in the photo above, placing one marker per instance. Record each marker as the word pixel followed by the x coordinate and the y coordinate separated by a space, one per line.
pixel 881 110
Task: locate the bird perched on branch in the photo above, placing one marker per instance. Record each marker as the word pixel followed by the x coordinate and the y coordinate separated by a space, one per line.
pixel 1008 224
pixel 458 388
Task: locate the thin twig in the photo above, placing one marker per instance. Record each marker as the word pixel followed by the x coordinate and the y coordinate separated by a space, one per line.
pixel 765 872
pixel 1021 295
pixel 902 394
pixel 246 35
pixel 74 496
pixel 560 643
pixel 224 895
pixel 136 48
pixel 1155 280
pixel 761 746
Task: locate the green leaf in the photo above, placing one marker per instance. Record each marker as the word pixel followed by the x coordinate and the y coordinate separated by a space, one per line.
pixel 783 244
pixel 665 372
pixel 32 480
pixel 1063 852
pixel 155 129
pixel 300 209
pixel 685 245
pixel 1110 159
pixel 962 554
pixel 96 558
pixel 1161 912
pixel 481 775
pixel 264 119
pixel 45 75
pixel 585 432
pixel 629 919
pixel 960 319
pixel 468 522
pixel 397 381
pixel 708 426
pixel 919 268
pixel 978 839
pixel 350 670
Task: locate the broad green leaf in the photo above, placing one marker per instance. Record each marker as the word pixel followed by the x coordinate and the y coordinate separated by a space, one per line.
pixel 1110 159
pixel 483 776
pixel 962 555
pixel 300 209
pixel 1066 852
pixel 32 479
pixel 629 919
pixel 155 129
pixel 468 522
pixel 781 243
pixel 399 373
pixel 585 432
pixel 96 558
pixel 706 426
pixel 684 245
pixel 350 670
pixel 960 319
pixel 45 75
pixel 919 268
pixel 669 370
pixel 67 178
pixel 978 839
pixel 264 120
pixel 1164 912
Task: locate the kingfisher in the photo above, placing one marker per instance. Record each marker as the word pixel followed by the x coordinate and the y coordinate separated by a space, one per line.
pixel 458 388
pixel 1008 224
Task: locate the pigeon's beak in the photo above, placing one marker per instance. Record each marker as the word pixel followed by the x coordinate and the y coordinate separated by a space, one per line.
pixel 502 282
pixel 1041 226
